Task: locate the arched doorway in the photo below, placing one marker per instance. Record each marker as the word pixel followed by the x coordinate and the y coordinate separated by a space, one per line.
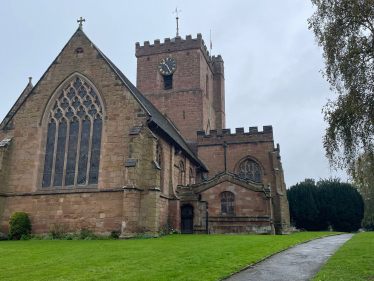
pixel 187 219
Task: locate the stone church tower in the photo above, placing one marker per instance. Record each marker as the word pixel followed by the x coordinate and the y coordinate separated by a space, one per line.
pixel 193 96
pixel 85 148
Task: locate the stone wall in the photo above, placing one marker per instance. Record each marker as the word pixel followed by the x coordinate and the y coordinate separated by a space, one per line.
pixel 99 211
pixel 252 210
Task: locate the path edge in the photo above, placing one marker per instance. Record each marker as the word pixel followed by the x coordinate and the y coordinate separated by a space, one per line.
pixel 265 258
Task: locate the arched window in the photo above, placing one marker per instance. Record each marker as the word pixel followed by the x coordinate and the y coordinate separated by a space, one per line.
pixel 72 154
pixel 250 170
pixel 158 155
pixel 207 86
pixel 227 202
pixel 159 162
pixel 181 173
pixel 191 176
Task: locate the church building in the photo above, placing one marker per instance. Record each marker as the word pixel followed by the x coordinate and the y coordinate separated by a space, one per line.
pixel 85 148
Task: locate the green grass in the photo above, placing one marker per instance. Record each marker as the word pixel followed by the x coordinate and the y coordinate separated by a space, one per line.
pixel 173 257
pixel 353 261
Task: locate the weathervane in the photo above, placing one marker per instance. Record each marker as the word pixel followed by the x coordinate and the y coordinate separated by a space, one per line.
pixel 80 22
pixel 176 12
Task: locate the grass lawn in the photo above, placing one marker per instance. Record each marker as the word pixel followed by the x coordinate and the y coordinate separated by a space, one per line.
pixel 173 257
pixel 353 261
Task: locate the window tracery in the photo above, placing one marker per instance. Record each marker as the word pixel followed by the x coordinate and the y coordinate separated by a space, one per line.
pixel 250 170
pixel 72 154
pixel 227 202
pixel 181 173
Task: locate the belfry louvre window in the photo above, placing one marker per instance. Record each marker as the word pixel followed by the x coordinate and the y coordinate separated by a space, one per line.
pixel 227 202
pixel 250 170
pixel 72 154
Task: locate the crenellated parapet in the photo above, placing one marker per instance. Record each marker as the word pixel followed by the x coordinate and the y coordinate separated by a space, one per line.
pixel 253 135
pixel 172 45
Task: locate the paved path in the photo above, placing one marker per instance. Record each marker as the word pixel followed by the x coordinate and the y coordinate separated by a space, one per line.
pixel 301 262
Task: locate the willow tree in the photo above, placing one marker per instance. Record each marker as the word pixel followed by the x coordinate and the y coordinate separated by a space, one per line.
pixel 345 31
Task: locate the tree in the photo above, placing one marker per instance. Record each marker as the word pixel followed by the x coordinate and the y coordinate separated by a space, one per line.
pixel 363 180
pixel 303 208
pixel 344 29
pixel 327 203
pixel 340 205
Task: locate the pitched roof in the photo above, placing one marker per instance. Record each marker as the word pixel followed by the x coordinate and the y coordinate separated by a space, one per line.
pixel 156 117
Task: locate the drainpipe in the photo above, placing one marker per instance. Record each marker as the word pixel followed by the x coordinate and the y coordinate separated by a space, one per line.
pixel 224 148
pixel 207 217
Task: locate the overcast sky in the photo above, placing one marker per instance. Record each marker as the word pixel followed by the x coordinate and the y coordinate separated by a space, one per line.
pixel 271 61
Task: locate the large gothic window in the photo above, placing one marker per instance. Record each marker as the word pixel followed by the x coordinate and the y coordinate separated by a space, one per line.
pixel 227 202
pixel 250 170
pixel 72 154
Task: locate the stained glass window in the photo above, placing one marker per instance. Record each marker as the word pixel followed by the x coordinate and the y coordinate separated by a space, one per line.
pixel 227 202
pixel 250 170
pixel 72 155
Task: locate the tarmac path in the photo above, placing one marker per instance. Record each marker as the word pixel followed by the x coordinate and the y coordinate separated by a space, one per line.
pixel 301 262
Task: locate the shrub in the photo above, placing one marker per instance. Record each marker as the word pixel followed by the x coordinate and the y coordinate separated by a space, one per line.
pixel 143 236
pixel 36 237
pixel 25 237
pixel 19 224
pixel 115 233
pixel 85 232
pixel 57 231
pixel 48 237
pixel 3 236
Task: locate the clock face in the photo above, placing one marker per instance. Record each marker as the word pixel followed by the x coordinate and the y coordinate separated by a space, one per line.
pixel 167 66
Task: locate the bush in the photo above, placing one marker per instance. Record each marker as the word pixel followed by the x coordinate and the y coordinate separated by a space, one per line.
pixel 3 236
pixel 143 236
pixel 19 224
pixel 36 237
pixel 115 233
pixel 85 232
pixel 25 237
pixel 48 237
pixel 57 231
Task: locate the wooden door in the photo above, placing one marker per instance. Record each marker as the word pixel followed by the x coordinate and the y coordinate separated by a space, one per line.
pixel 187 219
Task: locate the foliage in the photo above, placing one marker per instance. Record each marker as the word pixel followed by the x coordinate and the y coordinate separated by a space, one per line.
pixel 25 237
pixel 303 207
pixel 3 236
pixel 344 29
pixel 363 179
pixel 340 205
pixel 324 204
pixel 143 236
pixel 353 261
pixel 19 223
pixel 85 232
pixel 173 257
pixel 48 237
pixel 115 233
pixel 36 237
pixel 57 231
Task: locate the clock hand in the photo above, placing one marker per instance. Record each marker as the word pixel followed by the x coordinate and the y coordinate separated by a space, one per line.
pixel 168 67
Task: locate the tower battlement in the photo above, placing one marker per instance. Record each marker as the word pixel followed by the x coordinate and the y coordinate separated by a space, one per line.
pixel 172 45
pixel 252 135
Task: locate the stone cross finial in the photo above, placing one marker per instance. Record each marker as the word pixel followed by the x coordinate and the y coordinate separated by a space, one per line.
pixel 80 22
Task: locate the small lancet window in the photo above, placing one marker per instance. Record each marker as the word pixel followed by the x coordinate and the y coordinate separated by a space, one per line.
pixel 72 154
pixel 250 170
pixel 227 202
pixel 79 52
pixel 168 82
